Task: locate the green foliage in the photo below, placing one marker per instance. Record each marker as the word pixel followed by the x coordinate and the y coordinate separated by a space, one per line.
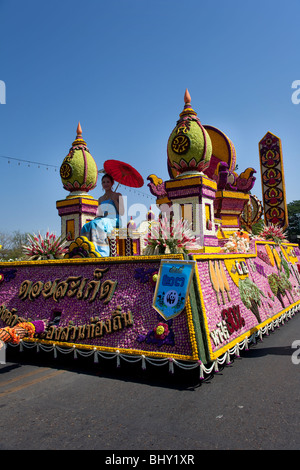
pixel 249 292
pixel 279 283
pixel 12 245
pixel 293 208
pixel 293 230
pixel 251 296
pixel 258 227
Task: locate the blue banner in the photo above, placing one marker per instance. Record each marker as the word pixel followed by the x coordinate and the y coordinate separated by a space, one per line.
pixel 172 287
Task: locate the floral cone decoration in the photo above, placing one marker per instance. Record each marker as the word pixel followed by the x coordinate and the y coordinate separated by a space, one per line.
pixel 273 233
pixel 49 247
pixel 239 242
pixel 170 238
pixel 189 146
pixel 79 171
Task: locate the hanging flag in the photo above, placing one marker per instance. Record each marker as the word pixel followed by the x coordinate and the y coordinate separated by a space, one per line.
pixel 172 287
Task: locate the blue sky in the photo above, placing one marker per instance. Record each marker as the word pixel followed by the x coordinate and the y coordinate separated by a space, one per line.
pixel 121 68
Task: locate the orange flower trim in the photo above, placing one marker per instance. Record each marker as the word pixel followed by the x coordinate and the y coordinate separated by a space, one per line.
pixel 14 335
pixel 241 234
pixel 29 327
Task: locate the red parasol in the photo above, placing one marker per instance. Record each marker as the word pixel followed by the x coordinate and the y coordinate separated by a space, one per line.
pixel 123 173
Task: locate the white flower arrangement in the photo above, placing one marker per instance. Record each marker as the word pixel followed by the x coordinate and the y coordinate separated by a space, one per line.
pixel 168 237
pixel 48 247
pixel 239 242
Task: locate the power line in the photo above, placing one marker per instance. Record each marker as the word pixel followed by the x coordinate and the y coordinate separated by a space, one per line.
pixel 136 191
pixel 29 162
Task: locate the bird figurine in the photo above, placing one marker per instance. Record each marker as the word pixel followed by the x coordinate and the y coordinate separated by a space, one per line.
pixel 156 186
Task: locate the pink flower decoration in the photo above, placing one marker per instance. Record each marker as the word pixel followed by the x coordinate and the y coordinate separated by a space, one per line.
pixel 161 330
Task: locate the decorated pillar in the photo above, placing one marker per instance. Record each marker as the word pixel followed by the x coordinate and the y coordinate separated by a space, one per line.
pixel 190 191
pixel 79 175
pixel 272 180
pixel 228 206
pixel 193 197
pixel 204 184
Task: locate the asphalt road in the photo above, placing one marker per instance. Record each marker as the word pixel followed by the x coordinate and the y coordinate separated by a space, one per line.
pixel 62 404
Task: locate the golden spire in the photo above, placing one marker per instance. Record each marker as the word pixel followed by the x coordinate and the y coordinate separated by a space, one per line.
pixel 187 97
pixel 79 131
pixel 79 140
pixel 187 106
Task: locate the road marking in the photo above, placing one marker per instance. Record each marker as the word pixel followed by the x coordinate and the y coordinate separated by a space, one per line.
pixel 23 376
pixel 32 382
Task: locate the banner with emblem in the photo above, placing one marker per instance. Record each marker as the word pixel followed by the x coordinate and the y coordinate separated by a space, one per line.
pixel 172 287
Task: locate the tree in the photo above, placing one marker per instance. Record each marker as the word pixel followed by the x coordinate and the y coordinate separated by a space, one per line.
pixel 12 245
pixel 293 230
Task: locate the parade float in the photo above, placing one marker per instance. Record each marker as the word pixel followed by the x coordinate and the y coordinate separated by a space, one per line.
pixel 190 289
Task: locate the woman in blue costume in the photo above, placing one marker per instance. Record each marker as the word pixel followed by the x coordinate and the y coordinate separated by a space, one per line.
pixel 97 231
pixel 111 202
pixel 111 206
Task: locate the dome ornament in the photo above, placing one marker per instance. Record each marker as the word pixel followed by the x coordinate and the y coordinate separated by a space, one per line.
pixel 189 146
pixel 79 172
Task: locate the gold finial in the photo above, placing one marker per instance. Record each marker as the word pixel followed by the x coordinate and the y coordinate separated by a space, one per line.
pixel 79 140
pixel 79 131
pixel 187 105
pixel 187 97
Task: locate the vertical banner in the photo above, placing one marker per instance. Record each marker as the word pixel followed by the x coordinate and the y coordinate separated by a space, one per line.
pixel 172 287
pixel 272 179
